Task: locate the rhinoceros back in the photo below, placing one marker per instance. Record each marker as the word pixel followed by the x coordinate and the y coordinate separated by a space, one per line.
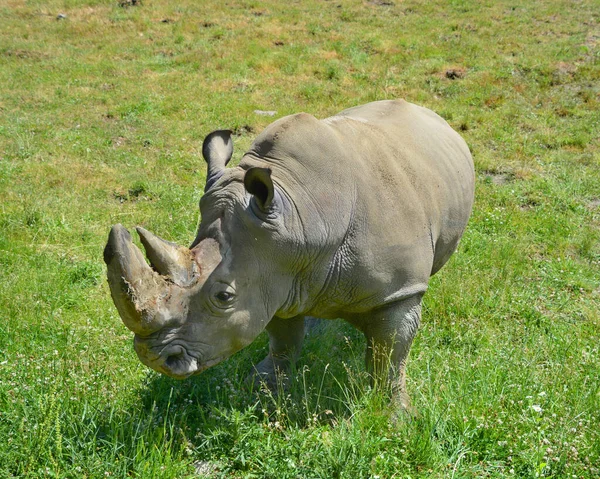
pixel 435 160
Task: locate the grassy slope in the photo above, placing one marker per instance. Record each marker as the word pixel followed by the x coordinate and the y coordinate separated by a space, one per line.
pixel 102 115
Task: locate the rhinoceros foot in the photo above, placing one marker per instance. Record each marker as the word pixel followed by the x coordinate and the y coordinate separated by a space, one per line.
pixel 271 374
pixel 403 407
pixel 402 411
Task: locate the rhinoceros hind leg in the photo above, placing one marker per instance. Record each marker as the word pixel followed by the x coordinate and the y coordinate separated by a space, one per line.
pixel 390 332
pixel 285 342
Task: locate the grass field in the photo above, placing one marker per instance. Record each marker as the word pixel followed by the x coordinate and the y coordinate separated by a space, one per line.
pixel 102 117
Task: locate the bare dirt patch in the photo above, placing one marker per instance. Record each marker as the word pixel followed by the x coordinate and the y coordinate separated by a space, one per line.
pixel 119 141
pixel 499 178
pixel 594 204
pixel 23 54
pixel 382 3
pixel 593 39
pixel 243 130
pixel 455 73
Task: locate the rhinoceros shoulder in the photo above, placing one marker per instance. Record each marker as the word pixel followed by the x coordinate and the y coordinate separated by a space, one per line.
pixel 287 136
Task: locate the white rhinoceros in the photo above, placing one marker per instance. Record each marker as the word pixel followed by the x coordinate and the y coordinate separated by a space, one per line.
pixel 346 217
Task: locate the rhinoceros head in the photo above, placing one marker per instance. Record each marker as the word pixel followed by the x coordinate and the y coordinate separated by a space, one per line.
pixel 192 307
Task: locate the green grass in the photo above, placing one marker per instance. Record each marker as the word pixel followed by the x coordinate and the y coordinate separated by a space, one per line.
pixel 102 117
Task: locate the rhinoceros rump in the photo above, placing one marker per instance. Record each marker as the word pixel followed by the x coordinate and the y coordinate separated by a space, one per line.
pixel 346 217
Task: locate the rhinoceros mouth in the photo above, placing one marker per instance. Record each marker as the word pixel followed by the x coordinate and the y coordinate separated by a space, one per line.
pixel 182 366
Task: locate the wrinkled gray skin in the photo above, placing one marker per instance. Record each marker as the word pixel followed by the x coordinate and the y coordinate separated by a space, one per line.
pixel 346 217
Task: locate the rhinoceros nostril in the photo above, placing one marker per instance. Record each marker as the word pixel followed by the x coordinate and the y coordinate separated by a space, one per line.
pixel 173 360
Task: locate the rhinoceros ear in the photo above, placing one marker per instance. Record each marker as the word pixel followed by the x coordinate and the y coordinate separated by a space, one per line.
pixel 259 184
pixel 216 150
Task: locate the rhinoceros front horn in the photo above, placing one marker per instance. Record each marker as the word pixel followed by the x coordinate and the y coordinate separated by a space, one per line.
pixel 139 292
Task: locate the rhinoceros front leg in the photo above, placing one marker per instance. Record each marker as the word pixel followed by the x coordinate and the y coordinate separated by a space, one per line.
pixel 285 342
pixel 390 332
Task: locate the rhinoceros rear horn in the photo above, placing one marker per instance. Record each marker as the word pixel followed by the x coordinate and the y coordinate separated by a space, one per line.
pixel 168 259
pixel 216 150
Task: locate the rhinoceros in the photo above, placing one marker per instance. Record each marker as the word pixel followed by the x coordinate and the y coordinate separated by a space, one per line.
pixel 346 217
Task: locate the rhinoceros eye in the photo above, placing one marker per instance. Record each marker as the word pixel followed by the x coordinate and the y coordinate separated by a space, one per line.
pixel 224 296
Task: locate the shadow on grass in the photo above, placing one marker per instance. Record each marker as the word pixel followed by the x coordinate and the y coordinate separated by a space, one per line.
pixel 205 416
pixel 331 361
